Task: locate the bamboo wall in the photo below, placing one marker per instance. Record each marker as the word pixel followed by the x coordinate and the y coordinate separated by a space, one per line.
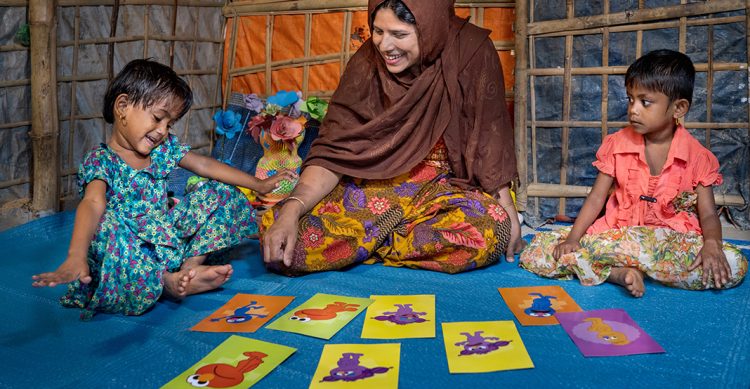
pixel 572 57
pixel 91 40
pixel 304 45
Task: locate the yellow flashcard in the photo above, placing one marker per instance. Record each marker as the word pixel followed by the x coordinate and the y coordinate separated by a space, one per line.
pixel 358 366
pixel 484 346
pixel 398 317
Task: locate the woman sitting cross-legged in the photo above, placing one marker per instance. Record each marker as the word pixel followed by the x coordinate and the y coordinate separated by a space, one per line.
pixel 415 157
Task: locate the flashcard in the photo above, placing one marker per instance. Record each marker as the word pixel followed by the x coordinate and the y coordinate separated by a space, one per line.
pixel 484 346
pixel 322 316
pixel 238 362
pixel 536 305
pixel 243 313
pixel 607 333
pixel 358 366
pixel 397 317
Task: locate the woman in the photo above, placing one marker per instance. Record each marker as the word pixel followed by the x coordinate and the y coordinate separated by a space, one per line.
pixel 416 136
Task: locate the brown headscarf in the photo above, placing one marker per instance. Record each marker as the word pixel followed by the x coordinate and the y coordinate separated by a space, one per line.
pixel 380 125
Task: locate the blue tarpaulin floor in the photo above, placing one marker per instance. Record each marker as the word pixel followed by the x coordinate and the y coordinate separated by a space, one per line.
pixel 46 346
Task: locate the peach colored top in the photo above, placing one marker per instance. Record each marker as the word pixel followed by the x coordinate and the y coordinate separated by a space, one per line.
pixel 669 197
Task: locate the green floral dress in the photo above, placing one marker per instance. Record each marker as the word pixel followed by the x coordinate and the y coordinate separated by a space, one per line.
pixel 139 237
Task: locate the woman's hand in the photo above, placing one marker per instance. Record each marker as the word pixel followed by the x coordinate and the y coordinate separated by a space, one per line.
pixel 279 241
pixel 271 183
pixel 714 262
pixel 567 246
pixel 281 237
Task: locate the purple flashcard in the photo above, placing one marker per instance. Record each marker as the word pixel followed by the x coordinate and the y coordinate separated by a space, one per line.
pixel 607 333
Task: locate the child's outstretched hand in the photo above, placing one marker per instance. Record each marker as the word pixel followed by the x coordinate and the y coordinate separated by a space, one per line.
pixel 565 247
pixel 69 271
pixel 271 183
pixel 714 263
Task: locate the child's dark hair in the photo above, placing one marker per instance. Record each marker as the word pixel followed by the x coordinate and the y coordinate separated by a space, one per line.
pixel 665 71
pixel 399 8
pixel 146 83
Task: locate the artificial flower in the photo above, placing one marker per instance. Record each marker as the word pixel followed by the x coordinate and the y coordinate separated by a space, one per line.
pixel 258 123
pixel 253 103
pixel 286 129
pixel 227 123
pixel 283 98
pixel 315 107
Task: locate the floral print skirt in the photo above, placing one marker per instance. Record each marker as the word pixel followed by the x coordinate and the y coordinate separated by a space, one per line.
pixel 127 270
pixel 415 220
pixel 661 253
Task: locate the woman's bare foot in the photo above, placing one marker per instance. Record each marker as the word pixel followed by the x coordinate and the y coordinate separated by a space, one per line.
pixel 630 278
pixel 176 284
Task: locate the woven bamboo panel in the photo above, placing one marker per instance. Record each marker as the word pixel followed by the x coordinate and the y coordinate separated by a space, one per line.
pixel 305 45
pixel 94 40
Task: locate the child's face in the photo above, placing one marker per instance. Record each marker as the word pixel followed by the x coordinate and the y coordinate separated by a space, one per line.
pixel 145 128
pixel 651 112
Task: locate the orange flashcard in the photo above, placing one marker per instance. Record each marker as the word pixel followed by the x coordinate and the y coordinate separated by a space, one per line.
pixel 537 305
pixel 243 313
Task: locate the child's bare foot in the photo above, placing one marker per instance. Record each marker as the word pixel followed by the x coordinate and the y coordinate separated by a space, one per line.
pixel 208 278
pixel 176 284
pixel 630 278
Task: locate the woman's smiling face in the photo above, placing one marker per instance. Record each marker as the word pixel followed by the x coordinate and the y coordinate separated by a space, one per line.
pixel 396 40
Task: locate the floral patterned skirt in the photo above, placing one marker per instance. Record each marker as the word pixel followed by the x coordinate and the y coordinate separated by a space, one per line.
pixel 661 253
pixel 416 220
pixel 127 270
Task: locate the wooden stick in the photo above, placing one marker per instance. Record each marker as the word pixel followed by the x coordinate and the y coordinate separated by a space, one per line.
pixel 44 125
pixel 648 26
pixel 294 62
pixel 639 16
pixel 709 84
pixel 555 190
pixel 269 53
pixel 74 84
pixel 596 70
pixel 605 79
pixel 620 124
pixel 301 6
pixel 521 102
pixel 308 43
pixel 230 61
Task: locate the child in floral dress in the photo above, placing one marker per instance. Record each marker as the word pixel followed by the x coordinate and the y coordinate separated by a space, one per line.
pixel 128 247
pixel 661 217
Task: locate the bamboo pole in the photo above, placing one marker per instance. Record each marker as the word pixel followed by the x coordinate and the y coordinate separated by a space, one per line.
pixel 709 84
pixel 619 124
pixel 566 107
pixel 269 53
pixel 711 19
pixel 345 42
pixel 184 3
pixel 521 102
pixel 44 124
pixel 595 70
pixel 230 60
pixel 248 7
pixel 639 16
pixel 605 78
pixel 308 43
pixel 556 190
pixel 73 94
